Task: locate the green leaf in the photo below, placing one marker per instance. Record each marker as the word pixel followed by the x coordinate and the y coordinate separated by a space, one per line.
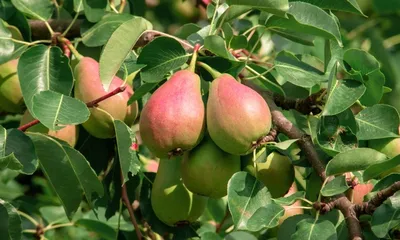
pixel 339 5
pixel 238 42
pixel 186 30
pixel 379 121
pixel 384 219
pixel 297 37
pixel 7 161
pixel 43 68
pixel 342 96
pixel 265 217
pixel 55 110
pixel 288 227
pixel 240 235
pixel 307 19
pixel 210 236
pixel 159 60
pixel 313 229
pixel 222 65
pixel 290 199
pixel 10 222
pixel 336 186
pixel 99 33
pixel 94 9
pixel 278 7
pixel 54 214
pixel 78 5
pixel 127 157
pixel 216 45
pixel 6 44
pixel 386 181
pixel 354 160
pixel 101 229
pixel 385 7
pixel 6 9
pixel 141 91
pixel 37 9
pixel 245 196
pixel 198 37
pixel 376 170
pixel 232 13
pixel 119 46
pixel 68 172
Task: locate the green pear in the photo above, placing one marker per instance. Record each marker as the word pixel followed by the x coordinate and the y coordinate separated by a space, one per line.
pixel 172 202
pixel 206 169
pixel 89 87
pixel 11 99
pixel 68 134
pixel 388 146
pixel 237 116
pixel 174 117
pixel 277 172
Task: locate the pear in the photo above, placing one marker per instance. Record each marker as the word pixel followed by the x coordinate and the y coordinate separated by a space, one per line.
pixel 206 169
pixel 173 120
pixel 11 99
pixel 68 134
pixel 388 146
pixel 172 202
pixel 357 194
pixel 237 116
pixel 89 87
pixel 277 172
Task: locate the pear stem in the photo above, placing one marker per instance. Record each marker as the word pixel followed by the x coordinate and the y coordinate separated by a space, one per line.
pixel 192 65
pixel 214 73
pixel 71 47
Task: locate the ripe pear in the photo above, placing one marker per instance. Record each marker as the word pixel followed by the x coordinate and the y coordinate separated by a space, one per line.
pixel 68 134
pixel 11 99
pixel 89 87
pixel 172 202
pixel 174 117
pixel 206 169
pixel 277 173
pixel 388 146
pixel 357 194
pixel 237 116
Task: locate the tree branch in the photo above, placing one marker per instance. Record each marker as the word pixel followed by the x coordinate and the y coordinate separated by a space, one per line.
pixel 305 106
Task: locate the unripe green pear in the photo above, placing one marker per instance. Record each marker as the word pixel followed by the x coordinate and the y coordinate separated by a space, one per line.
pixel 88 87
pixel 277 173
pixel 174 117
pixel 237 116
pixel 11 99
pixel 68 134
pixel 172 202
pixel 388 146
pixel 206 169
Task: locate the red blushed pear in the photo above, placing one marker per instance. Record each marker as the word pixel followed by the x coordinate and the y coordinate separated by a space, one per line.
pixel 89 87
pixel 237 116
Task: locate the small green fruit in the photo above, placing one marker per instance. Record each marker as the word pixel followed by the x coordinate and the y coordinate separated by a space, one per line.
pixel 237 116
pixel 388 146
pixel 172 202
pixel 206 169
pixel 11 99
pixel 277 173
pixel 88 87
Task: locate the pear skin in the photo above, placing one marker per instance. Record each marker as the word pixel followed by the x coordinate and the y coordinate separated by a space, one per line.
pixel 174 117
pixel 388 146
pixel 206 169
pixel 277 173
pixel 172 202
pixel 11 99
pixel 88 87
pixel 237 116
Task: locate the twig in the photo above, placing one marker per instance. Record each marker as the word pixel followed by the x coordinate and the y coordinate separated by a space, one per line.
pixel 305 106
pixel 128 205
pixel 91 104
pixel 219 225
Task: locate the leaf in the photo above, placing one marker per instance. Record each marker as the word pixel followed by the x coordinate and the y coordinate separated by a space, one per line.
pixel 290 199
pixel 336 186
pixel 384 218
pixel 43 68
pixel 6 9
pixel 307 19
pixel 10 222
pixel 245 196
pixel 101 229
pixel 119 46
pixel 141 91
pixel 379 121
pixel 53 214
pixel 99 33
pixel 288 227
pixel 186 30
pixel 283 145
pixel 216 45
pixel 385 7
pixel 68 172
pixel 265 217
pixel 37 9
pixel 198 37
pixel 339 5
pixel 387 181
pixel 354 160
pixel 94 9
pixel 376 170
pixel 278 7
pixel 127 157
pixel 222 65
pixel 313 229
pixel 210 236
pixel 342 96
pixel 159 60
pixel 6 44
pixel 55 110
pixel 262 81
pixel 238 42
